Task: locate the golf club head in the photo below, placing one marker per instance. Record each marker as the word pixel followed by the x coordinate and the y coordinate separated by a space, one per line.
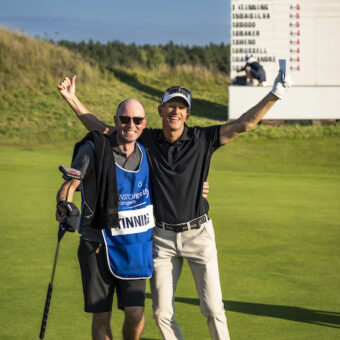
pixel 70 173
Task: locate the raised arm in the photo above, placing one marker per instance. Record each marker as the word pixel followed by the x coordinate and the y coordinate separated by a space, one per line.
pixel 67 89
pixel 250 118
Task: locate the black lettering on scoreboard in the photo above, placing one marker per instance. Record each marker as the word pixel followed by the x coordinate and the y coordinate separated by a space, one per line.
pixel 269 30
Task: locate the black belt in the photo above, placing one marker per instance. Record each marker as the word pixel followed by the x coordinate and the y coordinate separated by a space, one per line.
pixel 177 228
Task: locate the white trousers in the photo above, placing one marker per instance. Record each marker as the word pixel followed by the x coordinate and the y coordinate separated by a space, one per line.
pixel 198 247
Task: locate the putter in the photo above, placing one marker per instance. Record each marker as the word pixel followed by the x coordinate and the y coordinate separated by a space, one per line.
pixel 69 173
pixel 61 233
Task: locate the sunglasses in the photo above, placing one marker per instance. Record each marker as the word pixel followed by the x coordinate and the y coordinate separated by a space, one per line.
pixel 126 120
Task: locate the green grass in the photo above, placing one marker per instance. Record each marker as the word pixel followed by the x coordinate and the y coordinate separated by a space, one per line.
pixel 275 205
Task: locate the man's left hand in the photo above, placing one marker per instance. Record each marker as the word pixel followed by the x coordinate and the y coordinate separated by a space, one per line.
pixel 281 83
pixel 205 189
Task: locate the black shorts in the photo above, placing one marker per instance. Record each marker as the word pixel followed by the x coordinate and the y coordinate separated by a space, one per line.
pixel 99 284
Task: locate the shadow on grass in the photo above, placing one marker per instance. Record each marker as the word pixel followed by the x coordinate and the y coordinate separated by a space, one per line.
pixel 200 107
pixel 316 317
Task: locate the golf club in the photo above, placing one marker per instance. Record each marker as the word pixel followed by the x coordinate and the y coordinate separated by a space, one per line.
pixel 69 174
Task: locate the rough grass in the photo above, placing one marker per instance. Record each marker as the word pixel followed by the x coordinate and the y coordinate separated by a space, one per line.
pixel 32 111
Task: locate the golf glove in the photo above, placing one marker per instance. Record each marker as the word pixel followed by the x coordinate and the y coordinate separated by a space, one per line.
pixel 281 84
pixel 71 217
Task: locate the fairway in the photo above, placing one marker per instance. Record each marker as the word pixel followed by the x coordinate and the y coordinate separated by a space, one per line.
pixel 275 206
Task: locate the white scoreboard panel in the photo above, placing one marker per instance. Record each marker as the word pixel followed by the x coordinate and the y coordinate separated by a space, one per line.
pixel 304 32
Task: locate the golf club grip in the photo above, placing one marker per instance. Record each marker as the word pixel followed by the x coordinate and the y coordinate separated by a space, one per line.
pixel 47 308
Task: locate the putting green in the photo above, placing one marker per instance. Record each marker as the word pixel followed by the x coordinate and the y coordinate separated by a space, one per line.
pixel 276 211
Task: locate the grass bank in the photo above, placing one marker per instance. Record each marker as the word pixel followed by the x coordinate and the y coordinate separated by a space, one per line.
pixel 32 112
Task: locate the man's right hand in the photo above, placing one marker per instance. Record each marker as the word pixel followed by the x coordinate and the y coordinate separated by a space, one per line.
pixel 68 214
pixel 67 87
pixel 60 214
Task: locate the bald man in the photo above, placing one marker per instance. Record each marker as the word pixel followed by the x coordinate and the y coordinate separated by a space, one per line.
pixel 116 258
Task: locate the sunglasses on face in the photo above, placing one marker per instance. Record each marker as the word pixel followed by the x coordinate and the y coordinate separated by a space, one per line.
pixel 126 120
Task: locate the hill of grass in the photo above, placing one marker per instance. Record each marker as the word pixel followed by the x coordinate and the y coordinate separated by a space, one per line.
pixel 32 111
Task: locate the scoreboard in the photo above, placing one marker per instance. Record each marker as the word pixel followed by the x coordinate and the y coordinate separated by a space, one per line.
pixel 304 32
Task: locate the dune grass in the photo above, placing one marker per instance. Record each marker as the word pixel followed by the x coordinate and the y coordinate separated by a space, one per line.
pixel 32 112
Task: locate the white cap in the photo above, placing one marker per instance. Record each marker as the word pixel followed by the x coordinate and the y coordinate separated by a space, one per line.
pixel 177 91
pixel 167 97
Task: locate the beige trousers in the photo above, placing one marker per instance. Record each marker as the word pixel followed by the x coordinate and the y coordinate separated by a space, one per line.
pixel 198 247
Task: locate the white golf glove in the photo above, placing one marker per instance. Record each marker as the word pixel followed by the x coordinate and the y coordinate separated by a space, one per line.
pixel 280 85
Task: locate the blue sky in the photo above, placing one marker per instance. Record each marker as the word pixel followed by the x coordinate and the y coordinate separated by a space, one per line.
pixel 190 22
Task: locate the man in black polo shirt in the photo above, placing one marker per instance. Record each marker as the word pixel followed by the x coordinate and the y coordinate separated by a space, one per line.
pixel 179 158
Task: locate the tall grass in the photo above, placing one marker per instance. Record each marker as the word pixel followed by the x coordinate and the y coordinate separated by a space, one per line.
pixel 32 111
pixel 31 108
pixel 30 62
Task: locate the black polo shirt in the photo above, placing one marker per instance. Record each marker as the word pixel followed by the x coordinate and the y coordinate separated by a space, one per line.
pixel 178 171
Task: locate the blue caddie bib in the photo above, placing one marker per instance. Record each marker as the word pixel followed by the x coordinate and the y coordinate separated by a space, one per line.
pixel 129 246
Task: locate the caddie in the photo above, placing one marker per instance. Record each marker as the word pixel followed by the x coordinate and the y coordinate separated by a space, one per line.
pixel 115 250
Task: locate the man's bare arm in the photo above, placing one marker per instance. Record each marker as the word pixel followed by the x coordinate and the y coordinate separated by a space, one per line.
pixel 67 190
pixel 67 89
pixel 250 118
